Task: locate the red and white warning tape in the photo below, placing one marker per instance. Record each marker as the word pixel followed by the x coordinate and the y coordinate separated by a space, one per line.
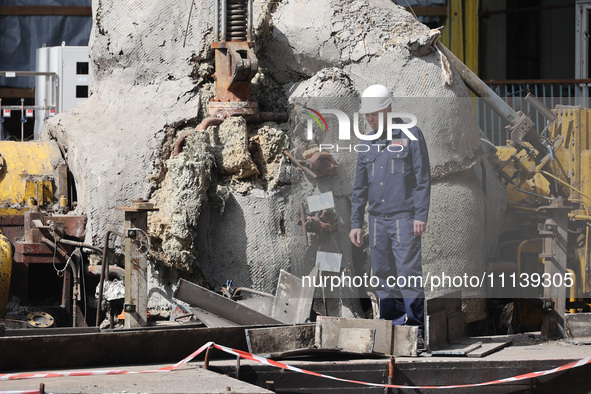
pixel 263 360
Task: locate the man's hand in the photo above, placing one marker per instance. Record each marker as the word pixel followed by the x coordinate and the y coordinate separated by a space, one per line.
pixel 419 227
pixel 355 236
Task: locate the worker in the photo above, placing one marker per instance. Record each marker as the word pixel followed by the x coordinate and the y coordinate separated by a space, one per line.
pixel 393 179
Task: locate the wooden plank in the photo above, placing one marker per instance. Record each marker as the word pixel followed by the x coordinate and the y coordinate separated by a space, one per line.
pixel 219 305
pixel 19 10
pixel 266 341
pixel 488 348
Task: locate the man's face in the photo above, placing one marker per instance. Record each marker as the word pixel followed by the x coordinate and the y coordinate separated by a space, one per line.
pixel 374 118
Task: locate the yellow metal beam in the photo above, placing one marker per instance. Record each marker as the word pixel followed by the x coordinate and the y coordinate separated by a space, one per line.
pixel 457 29
pixel 471 35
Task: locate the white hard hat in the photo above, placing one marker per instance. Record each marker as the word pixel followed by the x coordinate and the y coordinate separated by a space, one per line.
pixel 375 98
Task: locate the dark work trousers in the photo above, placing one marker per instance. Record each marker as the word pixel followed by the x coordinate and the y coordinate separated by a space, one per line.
pixel 396 254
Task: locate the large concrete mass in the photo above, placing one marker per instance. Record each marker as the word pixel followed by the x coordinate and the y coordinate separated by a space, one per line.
pixel 227 211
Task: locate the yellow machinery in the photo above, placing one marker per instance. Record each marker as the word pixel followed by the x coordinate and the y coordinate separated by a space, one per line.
pixel 30 170
pixel 564 171
pixel 548 180
pixel 33 175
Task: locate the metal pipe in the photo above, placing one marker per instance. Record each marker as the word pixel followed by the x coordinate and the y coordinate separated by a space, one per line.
pixel 104 271
pixel 546 173
pixel 216 23
pixel 75 243
pixel 247 290
pixel 391 369
pixel 249 35
pixel 223 19
pixel 479 88
pixel 205 123
pixel 207 357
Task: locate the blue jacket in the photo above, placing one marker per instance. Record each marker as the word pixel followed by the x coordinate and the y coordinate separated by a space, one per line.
pixel 394 178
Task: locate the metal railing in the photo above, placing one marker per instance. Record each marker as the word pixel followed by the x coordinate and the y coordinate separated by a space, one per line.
pixel 552 92
pixel 49 80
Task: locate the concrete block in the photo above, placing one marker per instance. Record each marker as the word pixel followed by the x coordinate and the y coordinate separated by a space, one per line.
pixel 357 340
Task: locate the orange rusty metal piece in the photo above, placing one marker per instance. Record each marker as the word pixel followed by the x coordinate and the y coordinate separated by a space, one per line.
pixel 235 66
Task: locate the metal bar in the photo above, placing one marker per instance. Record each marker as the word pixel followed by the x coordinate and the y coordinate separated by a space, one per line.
pixel 207 358
pixel 540 107
pixel 27 73
pixel 18 107
pixel 214 303
pixel 223 19
pixel 537 113
pixel 532 81
pixel 478 87
pixel 104 271
pixel 216 23
pixel 249 36
pixel 23 123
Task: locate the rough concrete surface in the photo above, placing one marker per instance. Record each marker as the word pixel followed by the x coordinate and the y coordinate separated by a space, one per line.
pixel 190 378
pixel 226 208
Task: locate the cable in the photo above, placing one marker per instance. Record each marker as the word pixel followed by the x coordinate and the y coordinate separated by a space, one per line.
pixel 189 21
pixel 60 273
